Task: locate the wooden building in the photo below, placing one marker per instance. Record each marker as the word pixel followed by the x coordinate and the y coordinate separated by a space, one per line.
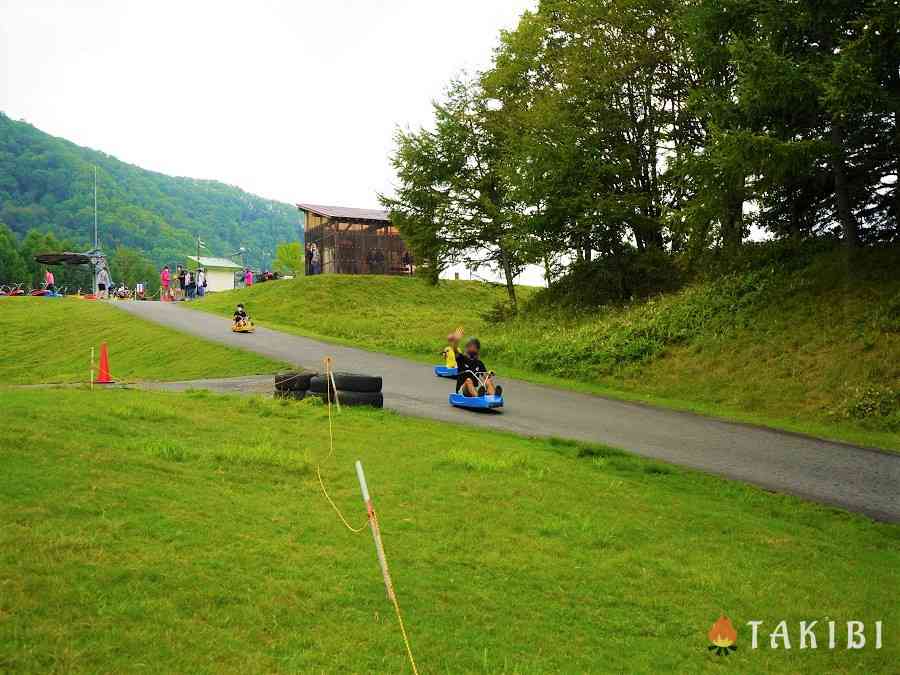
pixel 354 241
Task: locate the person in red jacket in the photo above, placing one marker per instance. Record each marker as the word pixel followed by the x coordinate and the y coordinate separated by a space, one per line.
pixel 165 279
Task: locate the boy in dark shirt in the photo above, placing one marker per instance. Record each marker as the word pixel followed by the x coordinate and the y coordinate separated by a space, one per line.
pixel 473 378
pixel 240 315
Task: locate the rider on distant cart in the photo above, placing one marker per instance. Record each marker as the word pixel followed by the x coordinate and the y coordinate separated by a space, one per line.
pixel 240 316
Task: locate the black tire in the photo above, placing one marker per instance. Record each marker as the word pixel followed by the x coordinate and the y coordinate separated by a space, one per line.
pixel 358 398
pixel 291 395
pixel 293 381
pixel 318 384
pixel 364 384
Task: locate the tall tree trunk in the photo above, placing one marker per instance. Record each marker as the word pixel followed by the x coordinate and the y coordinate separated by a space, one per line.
pixel 841 187
pixel 733 225
pixel 897 170
pixel 510 286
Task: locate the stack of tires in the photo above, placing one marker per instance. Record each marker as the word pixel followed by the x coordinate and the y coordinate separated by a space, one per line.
pixel 292 385
pixel 353 389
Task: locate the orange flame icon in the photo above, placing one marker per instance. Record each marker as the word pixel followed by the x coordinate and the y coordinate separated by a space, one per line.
pixel 722 635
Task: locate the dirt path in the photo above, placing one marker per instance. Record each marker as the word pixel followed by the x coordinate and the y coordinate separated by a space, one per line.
pixel 858 479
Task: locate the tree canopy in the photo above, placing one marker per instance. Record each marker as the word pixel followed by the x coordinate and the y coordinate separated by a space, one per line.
pixel 626 128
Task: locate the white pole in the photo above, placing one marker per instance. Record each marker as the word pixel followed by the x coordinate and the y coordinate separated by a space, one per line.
pixel 96 237
pixel 376 531
pixel 92 369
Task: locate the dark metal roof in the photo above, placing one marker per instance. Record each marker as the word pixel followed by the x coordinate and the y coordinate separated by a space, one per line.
pixel 346 212
pixel 66 258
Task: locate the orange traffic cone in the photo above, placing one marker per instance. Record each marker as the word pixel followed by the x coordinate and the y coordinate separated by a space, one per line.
pixel 103 375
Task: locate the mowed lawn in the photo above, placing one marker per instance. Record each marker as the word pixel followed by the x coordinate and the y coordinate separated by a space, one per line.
pixel 50 340
pixel 187 533
pixel 399 315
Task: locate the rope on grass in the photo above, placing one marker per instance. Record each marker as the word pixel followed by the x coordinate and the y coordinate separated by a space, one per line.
pixel 371 518
pixel 334 506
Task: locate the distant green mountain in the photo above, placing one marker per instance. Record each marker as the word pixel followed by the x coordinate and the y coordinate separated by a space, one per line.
pixel 46 183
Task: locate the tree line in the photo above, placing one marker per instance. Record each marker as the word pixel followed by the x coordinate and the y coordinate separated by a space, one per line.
pixel 614 129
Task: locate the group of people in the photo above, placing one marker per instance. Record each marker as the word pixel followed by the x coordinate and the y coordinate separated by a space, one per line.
pixel 185 284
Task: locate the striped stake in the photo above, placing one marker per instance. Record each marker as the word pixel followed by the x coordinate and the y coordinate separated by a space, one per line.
pixel 382 559
pixel 376 532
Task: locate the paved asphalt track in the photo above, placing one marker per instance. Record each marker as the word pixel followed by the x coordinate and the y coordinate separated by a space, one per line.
pixel 858 479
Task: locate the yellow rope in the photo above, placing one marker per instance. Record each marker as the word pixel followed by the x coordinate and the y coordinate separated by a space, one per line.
pixel 330 453
pixel 393 596
pixel 329 380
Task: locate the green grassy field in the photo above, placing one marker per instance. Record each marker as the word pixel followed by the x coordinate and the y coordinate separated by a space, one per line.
pixel 186 533
pixel 814 350
pixel 50 340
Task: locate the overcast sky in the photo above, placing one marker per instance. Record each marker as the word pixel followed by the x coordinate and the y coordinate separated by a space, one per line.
pixel 293 100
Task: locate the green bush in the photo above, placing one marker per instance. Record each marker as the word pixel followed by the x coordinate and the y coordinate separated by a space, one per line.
pixel 618 337
pixel 612 279
pixel 874 403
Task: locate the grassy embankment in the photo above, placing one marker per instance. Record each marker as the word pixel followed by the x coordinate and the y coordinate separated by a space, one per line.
pixel 138 532
pixel 815 349
pixel 50 340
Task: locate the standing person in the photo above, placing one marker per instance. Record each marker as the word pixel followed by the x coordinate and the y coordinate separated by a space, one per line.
pixel 182 283
pixel 49 280
pixel 190 285
pixel 308 259
pixel 248 277
pixel 103 283
pixel 316 263
pixel 201 282
pixel 165 278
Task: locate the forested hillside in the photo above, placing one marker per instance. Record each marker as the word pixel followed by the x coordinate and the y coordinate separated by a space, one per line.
pixel 46 184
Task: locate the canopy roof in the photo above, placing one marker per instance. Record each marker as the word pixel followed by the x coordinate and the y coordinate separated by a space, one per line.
pixel 70 258
pixel 347 213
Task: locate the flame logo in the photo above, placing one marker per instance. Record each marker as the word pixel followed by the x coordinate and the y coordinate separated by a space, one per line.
pixel 722 635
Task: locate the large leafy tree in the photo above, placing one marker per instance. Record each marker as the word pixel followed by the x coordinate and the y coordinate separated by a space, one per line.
pixel 595 93
pixel 805 110
pixel 420 199
pixel 289 258
pixel 454 196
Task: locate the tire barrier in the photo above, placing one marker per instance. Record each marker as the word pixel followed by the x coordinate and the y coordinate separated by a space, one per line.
pixel 365 384
pixel 358 398
pixel 353 389
pixel 293 381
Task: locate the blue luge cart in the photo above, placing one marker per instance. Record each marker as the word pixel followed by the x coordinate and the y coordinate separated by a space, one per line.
pixel 444 371
pixel 476 402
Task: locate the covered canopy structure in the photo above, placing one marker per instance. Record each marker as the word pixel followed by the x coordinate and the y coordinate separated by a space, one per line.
pixel 355 241
pixel 95 258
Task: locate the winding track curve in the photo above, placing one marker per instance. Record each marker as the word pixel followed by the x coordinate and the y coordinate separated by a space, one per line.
pixel 858 479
